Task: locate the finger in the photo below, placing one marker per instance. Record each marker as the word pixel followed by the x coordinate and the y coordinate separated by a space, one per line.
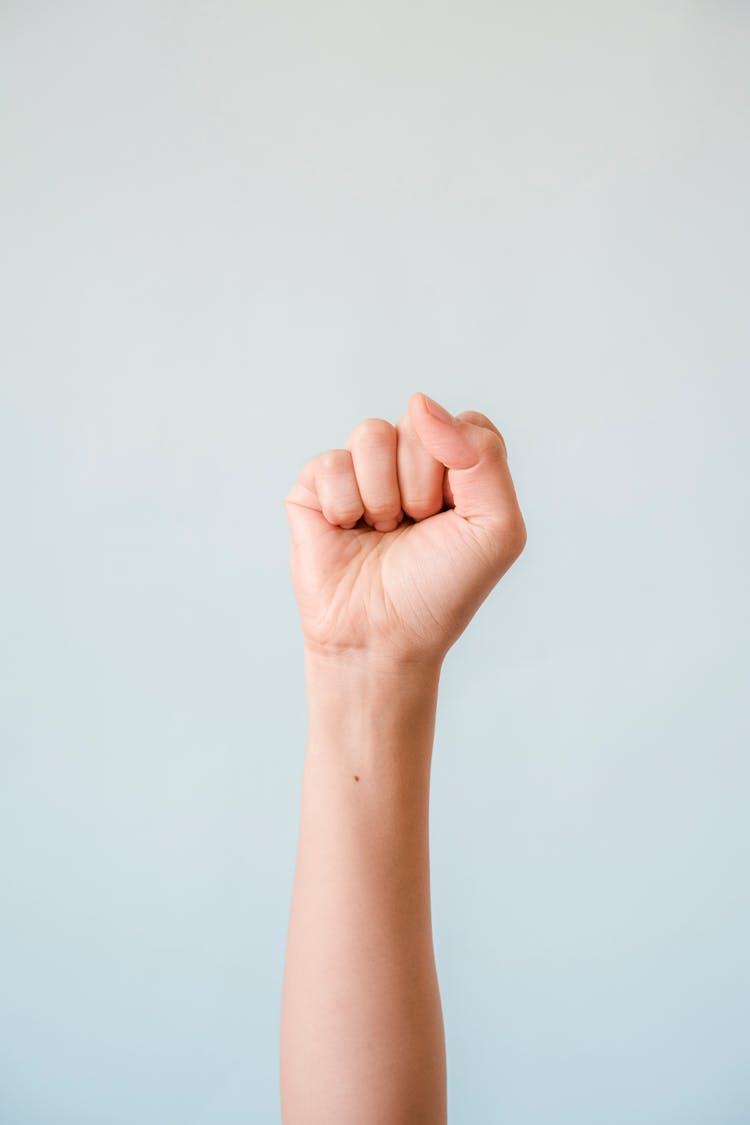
pixel 337 489
pixel 324 496
pixel 373 445
pixel 327 485
pixel 477 419
pixel 475 456
pixel 420 476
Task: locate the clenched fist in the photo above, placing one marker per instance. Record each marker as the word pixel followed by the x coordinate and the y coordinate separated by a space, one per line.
pixel 397 539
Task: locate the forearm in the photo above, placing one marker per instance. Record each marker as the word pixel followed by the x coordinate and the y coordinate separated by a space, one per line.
pixel 362 1034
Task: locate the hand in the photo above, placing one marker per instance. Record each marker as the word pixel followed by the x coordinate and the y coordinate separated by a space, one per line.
pixel 397 539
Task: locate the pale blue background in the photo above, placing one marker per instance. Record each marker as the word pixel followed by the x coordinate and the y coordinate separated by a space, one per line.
pixel 229 232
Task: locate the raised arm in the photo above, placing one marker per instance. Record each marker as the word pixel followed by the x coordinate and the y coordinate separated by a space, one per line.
pixel 396 540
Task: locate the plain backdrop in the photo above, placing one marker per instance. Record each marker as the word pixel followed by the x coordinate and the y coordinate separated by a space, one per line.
pixel 229 232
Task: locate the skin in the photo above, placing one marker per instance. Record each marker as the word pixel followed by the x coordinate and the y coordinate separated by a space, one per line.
pixel 396 540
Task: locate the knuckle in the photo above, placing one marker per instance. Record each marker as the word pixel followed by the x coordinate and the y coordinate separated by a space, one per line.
pixel 513 536
pixel 334 460
pixel 493 447
pixel 373 432
pixel 477 418
pixel 519 535
pixel 508 539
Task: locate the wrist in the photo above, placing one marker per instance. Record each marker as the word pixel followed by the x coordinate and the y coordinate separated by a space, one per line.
pixel 368 704
pixel 360 675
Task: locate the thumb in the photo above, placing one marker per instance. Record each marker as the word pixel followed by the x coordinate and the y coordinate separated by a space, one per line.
pixel 475 456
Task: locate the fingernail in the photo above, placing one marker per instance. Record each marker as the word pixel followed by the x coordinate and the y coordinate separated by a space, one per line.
pixel 437 410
